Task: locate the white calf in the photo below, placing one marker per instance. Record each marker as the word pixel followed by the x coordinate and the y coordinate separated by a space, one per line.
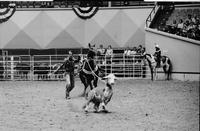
pixel 97 96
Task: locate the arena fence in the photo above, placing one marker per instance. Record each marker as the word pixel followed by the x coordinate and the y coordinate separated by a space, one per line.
pixel 38 67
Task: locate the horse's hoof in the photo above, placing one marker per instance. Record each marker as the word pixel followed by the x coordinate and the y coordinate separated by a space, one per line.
pixel 96 111
pixel 105 111
pixel 86 111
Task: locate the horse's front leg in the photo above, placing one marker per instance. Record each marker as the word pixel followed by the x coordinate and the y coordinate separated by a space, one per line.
pixel 91 84
pixel 154 74
pixel 84 91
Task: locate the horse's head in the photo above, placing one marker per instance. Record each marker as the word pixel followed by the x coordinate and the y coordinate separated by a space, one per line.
pixel 150 58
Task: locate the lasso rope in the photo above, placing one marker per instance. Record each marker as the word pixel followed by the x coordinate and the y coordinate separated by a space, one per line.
pixel 94 72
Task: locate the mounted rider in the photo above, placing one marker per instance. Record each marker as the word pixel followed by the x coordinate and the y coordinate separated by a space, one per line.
pixel 157 54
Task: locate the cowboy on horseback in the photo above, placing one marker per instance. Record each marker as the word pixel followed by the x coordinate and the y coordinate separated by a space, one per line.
pixel 157 54
pixel 69 66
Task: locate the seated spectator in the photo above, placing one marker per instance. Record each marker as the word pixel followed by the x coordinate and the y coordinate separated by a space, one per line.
pixel 189 19
pixel 194 19
pixel 184 31
pixel 196 32
pixel 180 27
pixel 174 27
pixel 180 24
pixel 190 28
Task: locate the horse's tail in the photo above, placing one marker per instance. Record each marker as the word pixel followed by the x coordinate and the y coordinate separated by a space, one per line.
pixel 170 68
pixel 169 71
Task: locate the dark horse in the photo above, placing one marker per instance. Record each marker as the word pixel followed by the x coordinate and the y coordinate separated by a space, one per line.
pixel 89 74
pixel 165 64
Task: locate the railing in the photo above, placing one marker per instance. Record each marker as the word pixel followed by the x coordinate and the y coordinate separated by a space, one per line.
pixel 152 15
pixel 39 66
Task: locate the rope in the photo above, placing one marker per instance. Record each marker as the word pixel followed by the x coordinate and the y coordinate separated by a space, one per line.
pixel 94 73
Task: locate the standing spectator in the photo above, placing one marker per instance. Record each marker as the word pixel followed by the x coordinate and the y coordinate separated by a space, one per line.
pixel 101 53
pixel 133 51
pixel 109 54
pixel 127 52
pixel 138 54
pixel 144 63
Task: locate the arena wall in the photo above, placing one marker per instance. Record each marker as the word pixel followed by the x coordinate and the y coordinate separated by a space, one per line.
pixel 184 53
pixel 62 28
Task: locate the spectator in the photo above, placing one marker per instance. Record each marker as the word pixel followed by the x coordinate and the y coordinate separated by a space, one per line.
pixel 100 50
pixel 133 51
pixel 196 32
pixel 101 53
pixel 143 51
pixel 127 52
pixel 180 24
pixel 184 31
pixel 194 19
pixel 139 49
pixel 174 27
pixel 138 54
pixel 180 27
pixel 190 29
pixel 109 54
pixel 109 51
pixel 189 19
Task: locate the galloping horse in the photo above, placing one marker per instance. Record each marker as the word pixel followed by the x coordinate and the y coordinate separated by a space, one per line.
pixel 89 74
pixel 165 64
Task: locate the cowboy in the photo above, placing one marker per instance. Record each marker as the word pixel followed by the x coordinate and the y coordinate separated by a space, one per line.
pixel 69 65
pixel 157 54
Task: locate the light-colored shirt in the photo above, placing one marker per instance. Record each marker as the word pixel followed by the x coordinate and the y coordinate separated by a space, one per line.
pixel 109 52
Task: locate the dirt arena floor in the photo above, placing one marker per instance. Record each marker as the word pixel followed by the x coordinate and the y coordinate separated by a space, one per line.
pixel 137 105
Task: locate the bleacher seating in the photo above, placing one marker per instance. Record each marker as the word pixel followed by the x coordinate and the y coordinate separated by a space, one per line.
pixel 168 19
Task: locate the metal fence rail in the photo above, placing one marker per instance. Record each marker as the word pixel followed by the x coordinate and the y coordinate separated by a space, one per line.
pixel 38 67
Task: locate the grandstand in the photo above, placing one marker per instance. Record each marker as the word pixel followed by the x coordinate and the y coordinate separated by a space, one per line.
pixel 168 20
